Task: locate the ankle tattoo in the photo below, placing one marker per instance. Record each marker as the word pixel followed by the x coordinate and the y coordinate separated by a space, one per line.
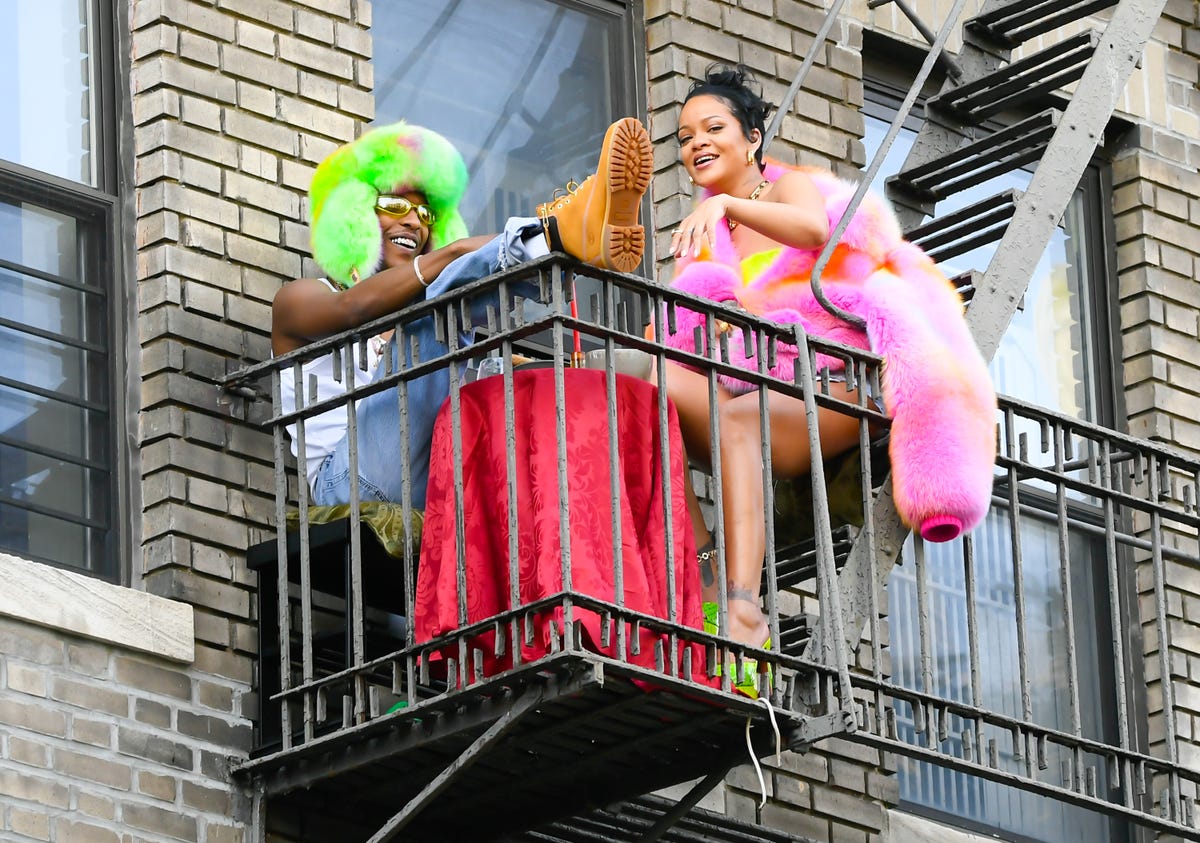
pixel 739 593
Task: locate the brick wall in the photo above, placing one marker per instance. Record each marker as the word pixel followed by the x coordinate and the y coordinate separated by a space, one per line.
pixel 233 104
pixel 101 744
pixel 1156 179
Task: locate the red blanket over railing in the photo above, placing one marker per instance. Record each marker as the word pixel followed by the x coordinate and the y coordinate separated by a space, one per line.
pixel 643 516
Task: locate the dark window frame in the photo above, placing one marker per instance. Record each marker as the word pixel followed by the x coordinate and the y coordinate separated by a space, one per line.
pixel 103 218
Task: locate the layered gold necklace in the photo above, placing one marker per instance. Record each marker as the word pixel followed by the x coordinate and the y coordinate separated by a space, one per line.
pixel 753 195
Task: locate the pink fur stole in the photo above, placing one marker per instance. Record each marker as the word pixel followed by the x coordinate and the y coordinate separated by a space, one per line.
pixel 935 382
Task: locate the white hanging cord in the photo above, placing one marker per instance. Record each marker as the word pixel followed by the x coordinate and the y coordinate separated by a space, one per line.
pixel 762 783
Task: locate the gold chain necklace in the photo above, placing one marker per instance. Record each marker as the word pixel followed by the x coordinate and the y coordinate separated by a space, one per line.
pixel 754 195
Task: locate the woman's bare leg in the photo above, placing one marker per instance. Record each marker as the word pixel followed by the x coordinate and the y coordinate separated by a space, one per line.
pixel 742 488
pixel 689 392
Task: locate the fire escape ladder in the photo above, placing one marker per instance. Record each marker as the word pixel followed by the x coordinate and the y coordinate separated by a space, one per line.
pixel 953 151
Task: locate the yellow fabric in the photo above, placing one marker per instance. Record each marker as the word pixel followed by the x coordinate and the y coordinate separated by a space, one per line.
pixel 754 265
pixel 386 521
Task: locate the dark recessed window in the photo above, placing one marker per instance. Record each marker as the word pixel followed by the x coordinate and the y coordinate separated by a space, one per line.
pixel 59 491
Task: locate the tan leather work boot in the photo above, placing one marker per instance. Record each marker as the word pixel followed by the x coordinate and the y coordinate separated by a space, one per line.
pixel 598 221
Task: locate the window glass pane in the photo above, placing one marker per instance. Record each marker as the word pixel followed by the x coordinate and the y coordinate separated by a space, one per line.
pixel 46 88
pixel 54 452
pixel 1044 356
pixel 39 239
pixel 49 306
pixel 526 98
pixel 1047 667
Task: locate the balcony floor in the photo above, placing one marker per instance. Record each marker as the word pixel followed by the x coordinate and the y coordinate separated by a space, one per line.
pixel 594 733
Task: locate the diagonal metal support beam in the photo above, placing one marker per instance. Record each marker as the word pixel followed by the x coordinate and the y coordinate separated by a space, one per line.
pixel 1037 215
pixel 689 801
pixel 527 701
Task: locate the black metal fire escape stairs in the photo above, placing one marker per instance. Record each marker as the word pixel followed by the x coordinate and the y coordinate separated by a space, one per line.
pixel 564 726
pixel 954 151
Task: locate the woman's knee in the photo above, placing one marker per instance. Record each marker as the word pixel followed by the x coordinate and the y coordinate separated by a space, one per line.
pixel 740 424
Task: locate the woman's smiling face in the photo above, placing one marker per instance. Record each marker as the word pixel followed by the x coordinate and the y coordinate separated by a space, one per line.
pixel 711 142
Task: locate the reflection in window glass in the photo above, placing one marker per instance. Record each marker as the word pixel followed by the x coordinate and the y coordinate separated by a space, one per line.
pixel 526 98
pixel 55 494
pixel 1042 356
pixel 46 87
pixel 1045 640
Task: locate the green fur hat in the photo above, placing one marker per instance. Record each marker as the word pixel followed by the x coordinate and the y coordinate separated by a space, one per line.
pixel 392 160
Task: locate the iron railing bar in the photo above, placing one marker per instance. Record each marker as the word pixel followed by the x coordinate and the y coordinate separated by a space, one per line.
pixel 283 602
pixel 1167 685
pixel 1014 514
pixel 510 467
pixel 355 597
pixel 614 458
pixel 558 291
pixel 1061 440
pixel 768 492
pixel 305 560
pixel 713 351
pixel 1116 623
pixel 834 651
pixel 396 355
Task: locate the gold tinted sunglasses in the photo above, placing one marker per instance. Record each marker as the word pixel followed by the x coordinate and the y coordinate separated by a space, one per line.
pixel 398 206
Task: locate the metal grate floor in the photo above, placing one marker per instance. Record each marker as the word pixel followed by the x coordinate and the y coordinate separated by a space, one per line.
pixel 598 735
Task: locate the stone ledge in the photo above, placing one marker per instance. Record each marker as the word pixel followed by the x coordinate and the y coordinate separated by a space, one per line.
pixel 909 828
pixel 82 605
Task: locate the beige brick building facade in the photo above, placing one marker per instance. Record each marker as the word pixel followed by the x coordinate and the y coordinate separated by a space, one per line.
pixel 123 706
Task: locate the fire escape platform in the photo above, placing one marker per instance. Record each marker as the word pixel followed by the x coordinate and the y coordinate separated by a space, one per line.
pixel 566 735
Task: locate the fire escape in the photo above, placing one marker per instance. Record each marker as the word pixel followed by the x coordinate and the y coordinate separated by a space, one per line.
pixel 359 737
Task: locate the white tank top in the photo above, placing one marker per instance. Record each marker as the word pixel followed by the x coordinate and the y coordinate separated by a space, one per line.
pixel 322 432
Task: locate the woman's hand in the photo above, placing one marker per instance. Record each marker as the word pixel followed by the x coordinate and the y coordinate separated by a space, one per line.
pixel 698 228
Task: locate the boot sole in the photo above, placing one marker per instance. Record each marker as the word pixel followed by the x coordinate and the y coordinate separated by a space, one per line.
pixel 628 170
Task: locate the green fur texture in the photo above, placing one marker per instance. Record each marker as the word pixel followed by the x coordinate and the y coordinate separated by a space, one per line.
pixel 391 159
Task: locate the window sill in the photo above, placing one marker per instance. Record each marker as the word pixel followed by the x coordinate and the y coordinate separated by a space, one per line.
pixel 911 829
pixel 79 604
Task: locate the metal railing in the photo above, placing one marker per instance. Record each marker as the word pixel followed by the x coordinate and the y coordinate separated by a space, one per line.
pixel 536 319
pixel 1082 498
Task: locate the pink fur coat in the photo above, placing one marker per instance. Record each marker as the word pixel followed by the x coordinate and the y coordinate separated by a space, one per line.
pixel 935 383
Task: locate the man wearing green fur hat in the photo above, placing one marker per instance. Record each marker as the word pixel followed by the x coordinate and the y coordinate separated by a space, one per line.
pixel 387 232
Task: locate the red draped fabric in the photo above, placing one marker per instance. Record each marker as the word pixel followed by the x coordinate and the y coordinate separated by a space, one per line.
pixel 643 516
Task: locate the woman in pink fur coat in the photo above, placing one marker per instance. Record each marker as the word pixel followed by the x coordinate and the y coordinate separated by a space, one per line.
pixel 753 240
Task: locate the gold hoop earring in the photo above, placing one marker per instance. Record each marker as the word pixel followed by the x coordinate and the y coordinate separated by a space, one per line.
pixel 691 180
pixel 749 156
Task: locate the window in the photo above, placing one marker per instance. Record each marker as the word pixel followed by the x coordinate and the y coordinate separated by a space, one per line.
pixel 526 97
pixel 59 390
pixel 1055 354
